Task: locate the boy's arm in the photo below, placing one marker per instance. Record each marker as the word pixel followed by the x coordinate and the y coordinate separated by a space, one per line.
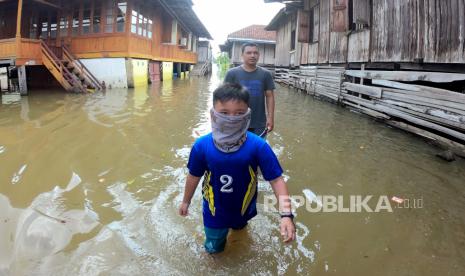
pixel 287 226
pixel 189 189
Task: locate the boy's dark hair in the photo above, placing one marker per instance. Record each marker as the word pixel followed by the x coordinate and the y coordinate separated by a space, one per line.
pixel 230 92
pixel 248 44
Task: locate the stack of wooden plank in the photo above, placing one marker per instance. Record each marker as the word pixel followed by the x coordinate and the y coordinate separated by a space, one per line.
pixel 435 113
pixel 323 81
pixel 294 77
pixel 308 79
pixel 328 82
pixel 281 75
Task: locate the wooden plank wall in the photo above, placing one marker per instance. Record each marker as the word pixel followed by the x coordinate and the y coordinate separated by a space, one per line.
pixel 269 54
pixel 406 30
pixel 7 48
pixel 444 31
pixel 283 42
pixel 432 31
pixel 359 47
pixel 324 40
pixel 236 50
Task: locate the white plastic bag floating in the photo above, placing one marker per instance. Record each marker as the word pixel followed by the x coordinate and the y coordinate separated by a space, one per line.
pixel 40 230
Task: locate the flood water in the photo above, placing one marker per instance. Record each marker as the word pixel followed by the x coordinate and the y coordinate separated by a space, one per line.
pixel 90 185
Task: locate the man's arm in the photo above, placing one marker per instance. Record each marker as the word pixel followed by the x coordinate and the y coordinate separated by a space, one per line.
pixel 189 189
pixel 287 226
pixel 269 94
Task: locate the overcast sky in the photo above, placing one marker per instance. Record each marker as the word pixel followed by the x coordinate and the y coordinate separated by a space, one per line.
pixel 222 17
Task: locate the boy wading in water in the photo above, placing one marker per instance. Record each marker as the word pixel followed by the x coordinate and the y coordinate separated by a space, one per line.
pixel 228 159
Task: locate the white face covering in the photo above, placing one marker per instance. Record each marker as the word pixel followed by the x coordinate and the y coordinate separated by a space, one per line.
pixel 229 131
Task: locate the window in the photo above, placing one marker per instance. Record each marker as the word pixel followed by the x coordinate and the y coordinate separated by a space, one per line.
pixel 309 24
pixel 359 14
pixel 76 20
pixel 149 29
pixel 140 23
pixel 33 27
pixel 96 15
pixel 64 25
pixel 109 16
pixel 44 30
pixel 146 22
pixel 121 16
pixel 134 22
pixel 293 40
pixel 86 18
pixel 53 26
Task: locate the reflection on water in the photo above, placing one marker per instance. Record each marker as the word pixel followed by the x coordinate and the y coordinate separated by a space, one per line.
pixel 90 184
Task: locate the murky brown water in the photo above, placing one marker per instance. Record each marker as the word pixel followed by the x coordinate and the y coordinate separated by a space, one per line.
pixel 90 184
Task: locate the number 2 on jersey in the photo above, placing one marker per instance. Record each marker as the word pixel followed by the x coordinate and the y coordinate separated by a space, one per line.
pixel 227 181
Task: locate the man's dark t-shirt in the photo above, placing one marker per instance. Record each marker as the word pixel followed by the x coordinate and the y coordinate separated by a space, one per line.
pixel 257 83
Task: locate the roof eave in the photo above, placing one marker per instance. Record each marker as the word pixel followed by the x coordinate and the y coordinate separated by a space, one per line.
pixel 242 39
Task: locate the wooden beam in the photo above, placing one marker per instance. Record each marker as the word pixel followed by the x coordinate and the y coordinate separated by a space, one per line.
pixel 457 148
pixel 424 91
pixel 407 76
pixel 375 92
pixel 47 3
pixel 18 19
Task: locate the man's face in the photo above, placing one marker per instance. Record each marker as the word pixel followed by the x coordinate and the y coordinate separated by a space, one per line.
pixel 231 108
pixel 250 55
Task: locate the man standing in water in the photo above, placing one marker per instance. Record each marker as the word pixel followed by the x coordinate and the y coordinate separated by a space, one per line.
pixel 260 85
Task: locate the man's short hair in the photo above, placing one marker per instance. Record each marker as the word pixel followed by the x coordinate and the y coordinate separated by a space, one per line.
pixel 248 44
pixel 230 92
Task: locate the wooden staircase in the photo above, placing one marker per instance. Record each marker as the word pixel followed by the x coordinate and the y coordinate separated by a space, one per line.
pixel 201 69
pixel 68 70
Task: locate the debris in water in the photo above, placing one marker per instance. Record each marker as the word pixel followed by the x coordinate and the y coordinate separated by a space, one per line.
pixel 17 176
pixel 446 155
pixel 339 184
pixel 397 199
pixel 101 180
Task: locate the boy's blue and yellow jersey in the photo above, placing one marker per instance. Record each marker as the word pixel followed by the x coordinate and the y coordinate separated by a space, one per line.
pixel 230 179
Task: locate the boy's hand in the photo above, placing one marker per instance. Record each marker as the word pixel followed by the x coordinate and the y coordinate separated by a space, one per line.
pixel 287 228
pixel 184 209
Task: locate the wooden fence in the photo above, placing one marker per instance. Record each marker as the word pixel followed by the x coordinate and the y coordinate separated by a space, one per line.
pixel 394 97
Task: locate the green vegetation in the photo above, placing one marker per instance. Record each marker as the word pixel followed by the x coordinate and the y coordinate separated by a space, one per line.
pixel 223 62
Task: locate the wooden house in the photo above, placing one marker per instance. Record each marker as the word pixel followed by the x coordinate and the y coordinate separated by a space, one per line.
pixel 413 34
pixel 257 34
pixel 400 61
pixel 86 43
